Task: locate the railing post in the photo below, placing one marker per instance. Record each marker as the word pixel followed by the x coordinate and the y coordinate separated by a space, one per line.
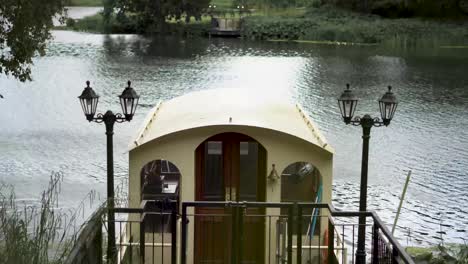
pixel 331 241
pixel 98 241
pixel 290 232
pixel 142 238
pixel 240 228
pixel 184 221
pixel 395 254
pixel 299 234
pixel 375 244
pixel 235 242
pixel 174 233
pixel 131 247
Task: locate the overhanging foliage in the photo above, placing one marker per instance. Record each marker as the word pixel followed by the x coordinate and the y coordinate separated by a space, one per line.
pixel 24 30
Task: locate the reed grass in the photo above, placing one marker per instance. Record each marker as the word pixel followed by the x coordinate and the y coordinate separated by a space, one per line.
pixel 40 234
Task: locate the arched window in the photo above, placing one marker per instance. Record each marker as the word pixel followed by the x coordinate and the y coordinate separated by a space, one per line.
pixel 301 182
pixel 160 180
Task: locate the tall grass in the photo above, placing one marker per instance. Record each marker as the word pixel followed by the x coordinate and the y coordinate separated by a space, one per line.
pixel 36 234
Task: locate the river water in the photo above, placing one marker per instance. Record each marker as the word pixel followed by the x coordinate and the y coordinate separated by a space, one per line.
pixel 43 128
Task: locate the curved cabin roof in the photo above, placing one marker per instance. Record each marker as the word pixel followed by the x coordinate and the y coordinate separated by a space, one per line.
pixel 228 107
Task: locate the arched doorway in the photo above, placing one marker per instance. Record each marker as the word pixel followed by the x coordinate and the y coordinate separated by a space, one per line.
pixel 229 167
pixel 160 179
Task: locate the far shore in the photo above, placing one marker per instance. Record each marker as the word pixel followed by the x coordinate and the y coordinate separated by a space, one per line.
pixel 322 25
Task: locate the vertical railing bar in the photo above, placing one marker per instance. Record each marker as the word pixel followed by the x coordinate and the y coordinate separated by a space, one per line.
pixel 142 238
pixel 162 231
pixel 210 250
pixel 290 232
pixel 278 240
pixel 120 239
pixel 131 241
pixel 240 233
pixel 375 245
pixel 299 235
pixel 331 241
pixel 310 246
pixel 284 233
pixel 234 214
pixel 352 256
pixel 269 238
pixel 153 246
pixel 99 241
pixel 183 256
pixel 395 254
pixel 174 234
pixel 342 246
pixel 319 243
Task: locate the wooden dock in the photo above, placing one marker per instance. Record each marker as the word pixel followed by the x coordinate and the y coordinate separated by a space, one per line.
pixel 225 27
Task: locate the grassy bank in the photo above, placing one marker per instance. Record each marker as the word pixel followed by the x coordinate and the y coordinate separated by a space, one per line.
pixel 324 24
pixel 444 253
pixel 85 2
pixel 95 24
pixel 337 25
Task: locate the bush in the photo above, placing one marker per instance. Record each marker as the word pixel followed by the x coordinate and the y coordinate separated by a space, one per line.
pixel 391 9
pixel 70 22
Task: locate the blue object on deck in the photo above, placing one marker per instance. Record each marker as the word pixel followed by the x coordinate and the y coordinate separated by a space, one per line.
pixel 315 213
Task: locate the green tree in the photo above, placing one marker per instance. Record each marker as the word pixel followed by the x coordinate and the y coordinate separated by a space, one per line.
pixel 24 30
pixel 151 15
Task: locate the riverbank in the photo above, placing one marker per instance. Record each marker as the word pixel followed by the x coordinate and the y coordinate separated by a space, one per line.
pixel 95 24
pixel 449 253
pixel 320 24
pixel 338 25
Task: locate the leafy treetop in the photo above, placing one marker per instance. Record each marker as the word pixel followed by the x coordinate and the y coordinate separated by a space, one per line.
pixel 24 30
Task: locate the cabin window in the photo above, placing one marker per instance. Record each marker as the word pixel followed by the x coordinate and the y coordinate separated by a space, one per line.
pixel 249 165
pixel 213 180
pixel 160 179
pixel 300 182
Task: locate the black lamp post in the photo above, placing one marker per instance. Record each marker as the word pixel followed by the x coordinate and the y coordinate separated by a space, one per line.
pixel 129 101
pixel 347 103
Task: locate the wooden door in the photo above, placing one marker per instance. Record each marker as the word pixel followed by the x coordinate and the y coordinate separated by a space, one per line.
pixel 229 167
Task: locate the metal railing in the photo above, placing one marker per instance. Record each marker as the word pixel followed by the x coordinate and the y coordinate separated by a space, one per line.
pixel 88 246
pixel 236 232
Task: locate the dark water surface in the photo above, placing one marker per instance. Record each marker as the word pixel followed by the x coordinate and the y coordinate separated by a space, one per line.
pixel 43 128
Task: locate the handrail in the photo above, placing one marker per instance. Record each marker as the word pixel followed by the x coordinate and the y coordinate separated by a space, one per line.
pixel 393 241
pixel 86 247
pixel 90 234
pixel 333 212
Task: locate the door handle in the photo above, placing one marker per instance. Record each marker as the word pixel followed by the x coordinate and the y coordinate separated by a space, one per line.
pixel 227 194
pixel 233 194
pixel 230 194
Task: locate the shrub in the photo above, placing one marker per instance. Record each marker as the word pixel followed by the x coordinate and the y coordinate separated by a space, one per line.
pixel 70 22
